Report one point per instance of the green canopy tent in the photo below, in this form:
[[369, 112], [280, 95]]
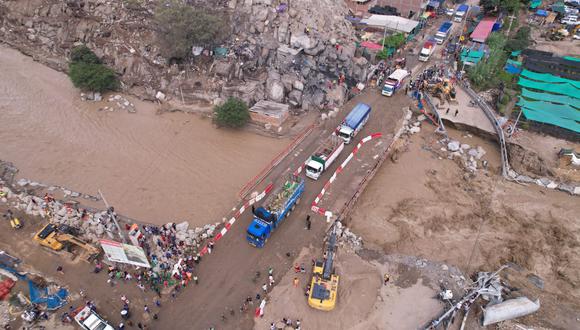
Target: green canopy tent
[[535, 4]]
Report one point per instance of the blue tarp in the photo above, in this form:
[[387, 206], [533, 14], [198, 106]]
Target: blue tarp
[[41, 296], [542, 13]]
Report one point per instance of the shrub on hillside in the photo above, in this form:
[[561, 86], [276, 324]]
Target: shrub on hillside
[[233, 113], [88, 73], [180, 26]]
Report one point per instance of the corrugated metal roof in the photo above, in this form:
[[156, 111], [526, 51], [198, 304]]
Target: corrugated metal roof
[[483, 29], [391, 22]]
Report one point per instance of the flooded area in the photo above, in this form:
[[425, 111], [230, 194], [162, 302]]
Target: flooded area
[[154, 168]]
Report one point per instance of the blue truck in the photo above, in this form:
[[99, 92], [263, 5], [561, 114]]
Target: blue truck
[[354, 122], [443, 32], [460, 13], [275, 209]]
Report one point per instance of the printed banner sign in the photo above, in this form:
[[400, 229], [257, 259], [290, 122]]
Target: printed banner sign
[[125, 253]]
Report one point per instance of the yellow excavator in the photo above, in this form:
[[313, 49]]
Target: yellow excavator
[[324, 284], [444, 91], [63, 236]]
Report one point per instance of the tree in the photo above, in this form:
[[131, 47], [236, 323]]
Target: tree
[[88, 73], [179, 27], [83, 54], [496, 6], [233, 113], [486, 73], [520, 41], [394, 41]]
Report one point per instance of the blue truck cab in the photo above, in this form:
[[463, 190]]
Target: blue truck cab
[[275, 209]]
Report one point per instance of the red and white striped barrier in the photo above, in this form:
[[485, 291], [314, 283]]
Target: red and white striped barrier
[[235, 217], [322, 211]]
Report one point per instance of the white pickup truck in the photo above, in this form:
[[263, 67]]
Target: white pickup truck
[[88, 319]]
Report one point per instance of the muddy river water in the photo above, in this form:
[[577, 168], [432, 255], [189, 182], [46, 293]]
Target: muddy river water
[[155, 168]]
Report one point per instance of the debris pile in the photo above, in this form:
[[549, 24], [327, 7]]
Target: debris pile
[[303, 54], [95, 225], [25, 183], [492, 290], [347, 238]]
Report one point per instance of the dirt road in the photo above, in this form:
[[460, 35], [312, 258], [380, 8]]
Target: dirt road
[[228, 272], [155, 168]]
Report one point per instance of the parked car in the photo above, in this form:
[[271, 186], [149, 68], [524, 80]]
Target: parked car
[[570, 20], [384, 10]]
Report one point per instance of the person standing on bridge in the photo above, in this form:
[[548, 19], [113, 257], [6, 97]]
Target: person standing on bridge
[[308, 223]]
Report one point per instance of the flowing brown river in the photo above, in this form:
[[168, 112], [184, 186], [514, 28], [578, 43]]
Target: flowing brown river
[[155, 168]]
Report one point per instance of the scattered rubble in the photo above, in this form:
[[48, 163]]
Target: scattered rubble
[[303, 48], [347, 238], [95, 225]]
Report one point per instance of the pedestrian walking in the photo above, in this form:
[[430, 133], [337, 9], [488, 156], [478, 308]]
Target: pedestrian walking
[[265, 287], [386, 279], [456, 112], [59, 269], [271, 279], [295, 282], [155, 316], [195, 279], [308, 223], [140, 326], [121, 326], [157, 303], [146, 309], [447, 112]]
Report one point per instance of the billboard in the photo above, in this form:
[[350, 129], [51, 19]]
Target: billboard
[[124, 253]]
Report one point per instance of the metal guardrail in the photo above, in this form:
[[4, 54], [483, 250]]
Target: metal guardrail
[[499, 131]]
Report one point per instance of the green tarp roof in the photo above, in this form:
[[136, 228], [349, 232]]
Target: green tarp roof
[[535, 4], [571, 58], [547, 97], [548, 118], [559, 110], [564, 88], [549, 78], [474, 56]]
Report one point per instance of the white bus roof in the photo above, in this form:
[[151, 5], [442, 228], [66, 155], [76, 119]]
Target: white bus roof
[[399, 74]]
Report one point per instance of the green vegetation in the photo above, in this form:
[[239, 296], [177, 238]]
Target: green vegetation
[[180, 26], [489, 72], [87, 72], [394, 41], [504, 6], [486, 73], [233, 113], [520, 41]]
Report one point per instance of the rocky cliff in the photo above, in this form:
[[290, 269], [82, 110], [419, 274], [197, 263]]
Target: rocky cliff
[[270, 55]]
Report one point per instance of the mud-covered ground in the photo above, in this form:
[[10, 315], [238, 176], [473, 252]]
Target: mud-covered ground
[[425, 222]]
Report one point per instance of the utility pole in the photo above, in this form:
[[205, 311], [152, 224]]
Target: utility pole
[[511, 21], [113, 215]]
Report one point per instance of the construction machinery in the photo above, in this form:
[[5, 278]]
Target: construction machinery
[[62, 236], [444, 91], [324, 284]]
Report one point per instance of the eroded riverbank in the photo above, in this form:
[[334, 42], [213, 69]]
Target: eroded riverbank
[[155, 168]]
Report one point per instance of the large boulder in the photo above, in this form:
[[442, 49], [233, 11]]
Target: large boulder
[[275, 90], [295, 98], [223, 69], [301, 41]]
